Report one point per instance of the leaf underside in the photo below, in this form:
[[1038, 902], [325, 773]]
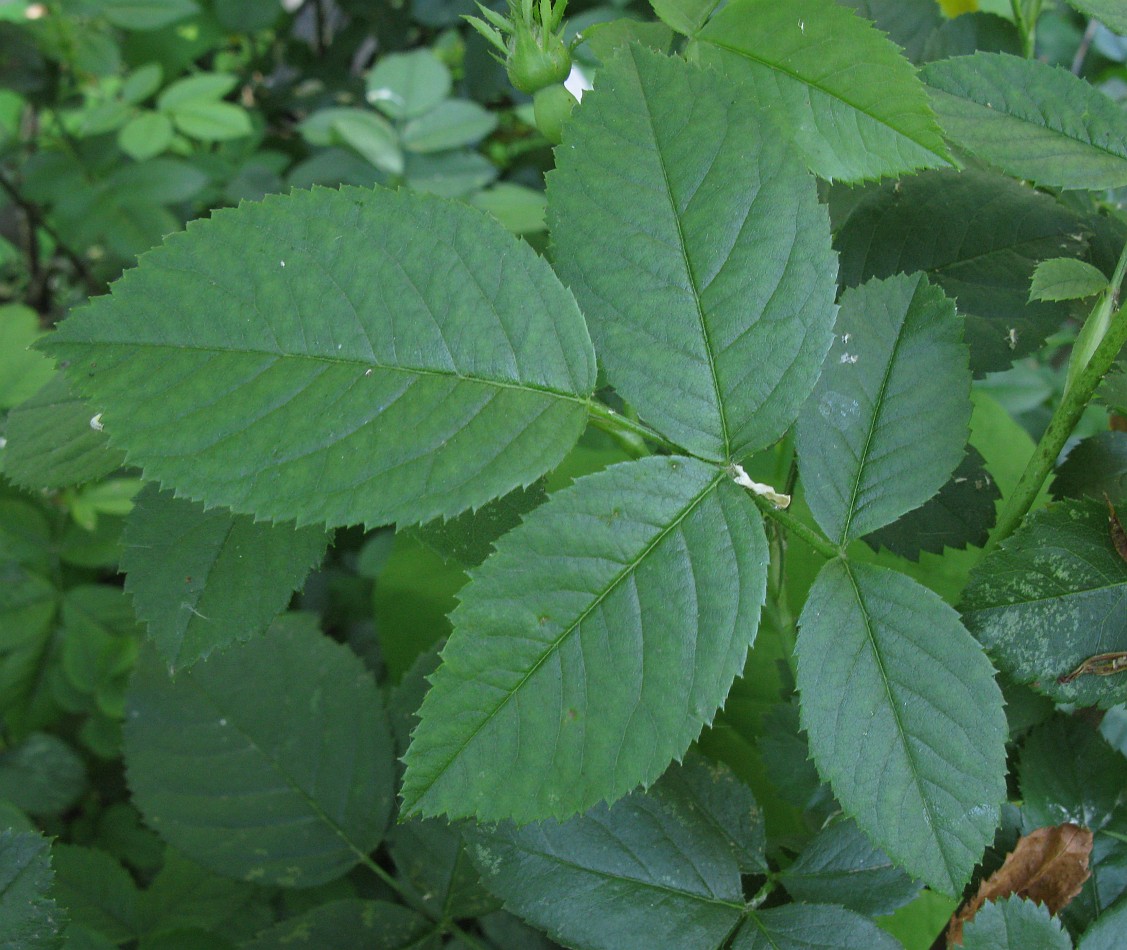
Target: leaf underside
[[338, 357], [703, 262], [1050, 597], [1031, 120], [888, 420], [838, 87], [904, 719], [979, 237], [589, 651]]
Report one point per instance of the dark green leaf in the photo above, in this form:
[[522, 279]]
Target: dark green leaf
[[904, 718], [271, 761], [431, 860], [1113, 390], [469, 538], [145, 14], [348, 925], [841, 866], [961, 514], [1050, 598], [619, 878], [97, 892], [51, 443], [970, 32], [1065, 278], [1107, 932], [206, 579], [1031, 120], [887, 423], [29, 917], [1068, 772], [811, 927], [589, 651], [272, 358], [1014, 924], [841, 89], [908, 23], [1096, 466], [979, 237], [703, 263], [184, 895], [42, 775]]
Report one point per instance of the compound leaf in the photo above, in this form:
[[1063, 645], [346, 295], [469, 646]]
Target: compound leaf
[[888, 420], [203, 579], [270, 762], [703, 263], [842, 90], [1031, 120], [591, 648], [904, 719], [979, 237], [339, 357], [622, 877], [1051, 599], [29, 917]]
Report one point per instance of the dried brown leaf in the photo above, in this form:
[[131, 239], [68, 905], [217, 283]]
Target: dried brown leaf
[[1047, 866], [1118, 535]]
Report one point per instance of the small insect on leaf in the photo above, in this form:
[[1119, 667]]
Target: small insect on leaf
[[1115, 527], [1102, 664]]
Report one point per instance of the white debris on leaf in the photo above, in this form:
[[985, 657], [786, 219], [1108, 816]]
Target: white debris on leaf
[[741, 478], [96, 423]]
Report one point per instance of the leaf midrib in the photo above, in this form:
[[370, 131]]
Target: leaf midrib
[[627, 570], [683, 248], [901, 732], [335, 361]]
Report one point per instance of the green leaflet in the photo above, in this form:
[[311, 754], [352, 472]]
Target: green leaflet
[[1051, 597], [339, 357], [348, 924], [1109, 12], [978, 236], [42, 775], [908, 23], [231, 575], [97, 891], [1096, 468], [811, 927], [589, 651], [623, 877], [1065, 278], [1012, 923], [29, 917], [685, 16], [904, 719], [271, 761], [851, 102], [702, 262], [1107, 932], [51, 443], [1068, 772], [888, 420], [22, 370], [1031, 120], [841, 866]]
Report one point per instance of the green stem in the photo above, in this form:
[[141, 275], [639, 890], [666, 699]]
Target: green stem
[[1064, 420], [815, 539], [1024, 28], [618, 425]]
